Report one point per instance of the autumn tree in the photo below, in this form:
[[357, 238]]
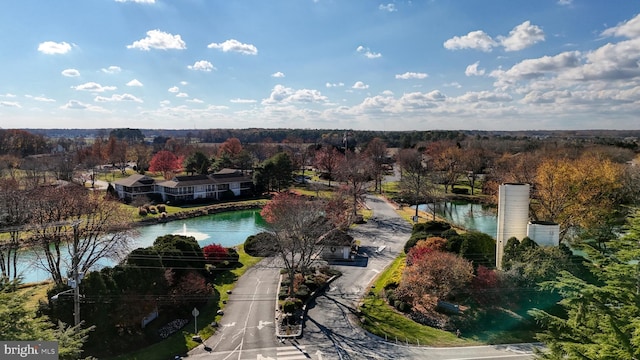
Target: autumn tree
[[297, 224], [165, 162], [141, 155], [215, 253], [376, 150], [433, 276], [231, 147], [116, 153], [327, 160], [9, 166], [448, 164], [512, 168], [581, 193]]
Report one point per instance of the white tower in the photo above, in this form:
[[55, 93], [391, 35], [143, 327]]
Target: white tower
[[513, 216]]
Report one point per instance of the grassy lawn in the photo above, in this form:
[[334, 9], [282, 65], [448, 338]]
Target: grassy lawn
[[181, 342], [35, 292], [386, 322], [171, 210]]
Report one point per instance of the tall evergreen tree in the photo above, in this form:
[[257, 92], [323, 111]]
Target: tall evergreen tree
[[601, 317]]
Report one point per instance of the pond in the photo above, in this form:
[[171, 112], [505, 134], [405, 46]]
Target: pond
[[227, 229], [478, 217]]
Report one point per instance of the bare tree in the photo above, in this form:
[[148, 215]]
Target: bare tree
[[297, 224], [355, 172], [15, 213], [327, 160], [77, 228], [415, 184], [377, 151]]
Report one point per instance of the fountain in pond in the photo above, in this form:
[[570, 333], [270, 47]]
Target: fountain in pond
[[196, 234]]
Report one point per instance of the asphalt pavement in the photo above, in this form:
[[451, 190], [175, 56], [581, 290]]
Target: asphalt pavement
[[331, 328]]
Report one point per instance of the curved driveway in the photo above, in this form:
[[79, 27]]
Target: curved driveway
[[247, 330]]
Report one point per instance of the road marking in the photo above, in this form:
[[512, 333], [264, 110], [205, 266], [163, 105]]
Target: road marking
[[293, 352], [229, 324], [262, 324], [260, 357]]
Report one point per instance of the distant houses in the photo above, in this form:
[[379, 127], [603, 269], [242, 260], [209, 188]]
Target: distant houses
[[224, 184]]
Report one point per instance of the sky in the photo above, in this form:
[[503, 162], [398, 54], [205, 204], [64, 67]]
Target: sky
[[320, 64]]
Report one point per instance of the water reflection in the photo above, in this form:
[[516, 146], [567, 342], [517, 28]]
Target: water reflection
[[227, 229], [478, 217]]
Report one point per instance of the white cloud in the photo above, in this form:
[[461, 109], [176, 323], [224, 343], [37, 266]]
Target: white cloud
[[233, 45], [454, 84], [70, 73], [360, 85], [522, 37], [184, 83], [367, 52], [173, 89], [182, 95], [202, 65], [629, 29], [40, 98], [138, 1], [157, 39], [77, 105], [388, 7], [477, 40], [118, 97], [242, 101], [330, 85], [487, 96], [565, 2], [52, 47], [472, 70], [10, 104], [530, 69], [195, 101], [112, 70], [134, 82], [94, 87], [619, 61], [277, 74], [284, 95], [411, 75], [8, 95]]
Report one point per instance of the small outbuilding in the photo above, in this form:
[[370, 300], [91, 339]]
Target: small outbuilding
[[337, 245]]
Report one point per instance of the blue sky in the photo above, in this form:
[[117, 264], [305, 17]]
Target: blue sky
[[329, 64]]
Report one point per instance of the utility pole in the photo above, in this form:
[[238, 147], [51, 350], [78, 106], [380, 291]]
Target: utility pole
[[75, 262]]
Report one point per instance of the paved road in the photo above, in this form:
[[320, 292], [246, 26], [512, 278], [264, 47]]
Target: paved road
[[330, 331], [248, 322]]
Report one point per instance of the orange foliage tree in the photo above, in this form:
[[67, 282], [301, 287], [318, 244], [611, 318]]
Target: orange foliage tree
[[165, 162], [433, 276]]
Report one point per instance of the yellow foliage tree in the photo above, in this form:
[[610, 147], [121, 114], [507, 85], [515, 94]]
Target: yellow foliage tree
[[577, 193]]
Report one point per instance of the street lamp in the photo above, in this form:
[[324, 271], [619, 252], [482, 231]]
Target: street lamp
[[55, 297]]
